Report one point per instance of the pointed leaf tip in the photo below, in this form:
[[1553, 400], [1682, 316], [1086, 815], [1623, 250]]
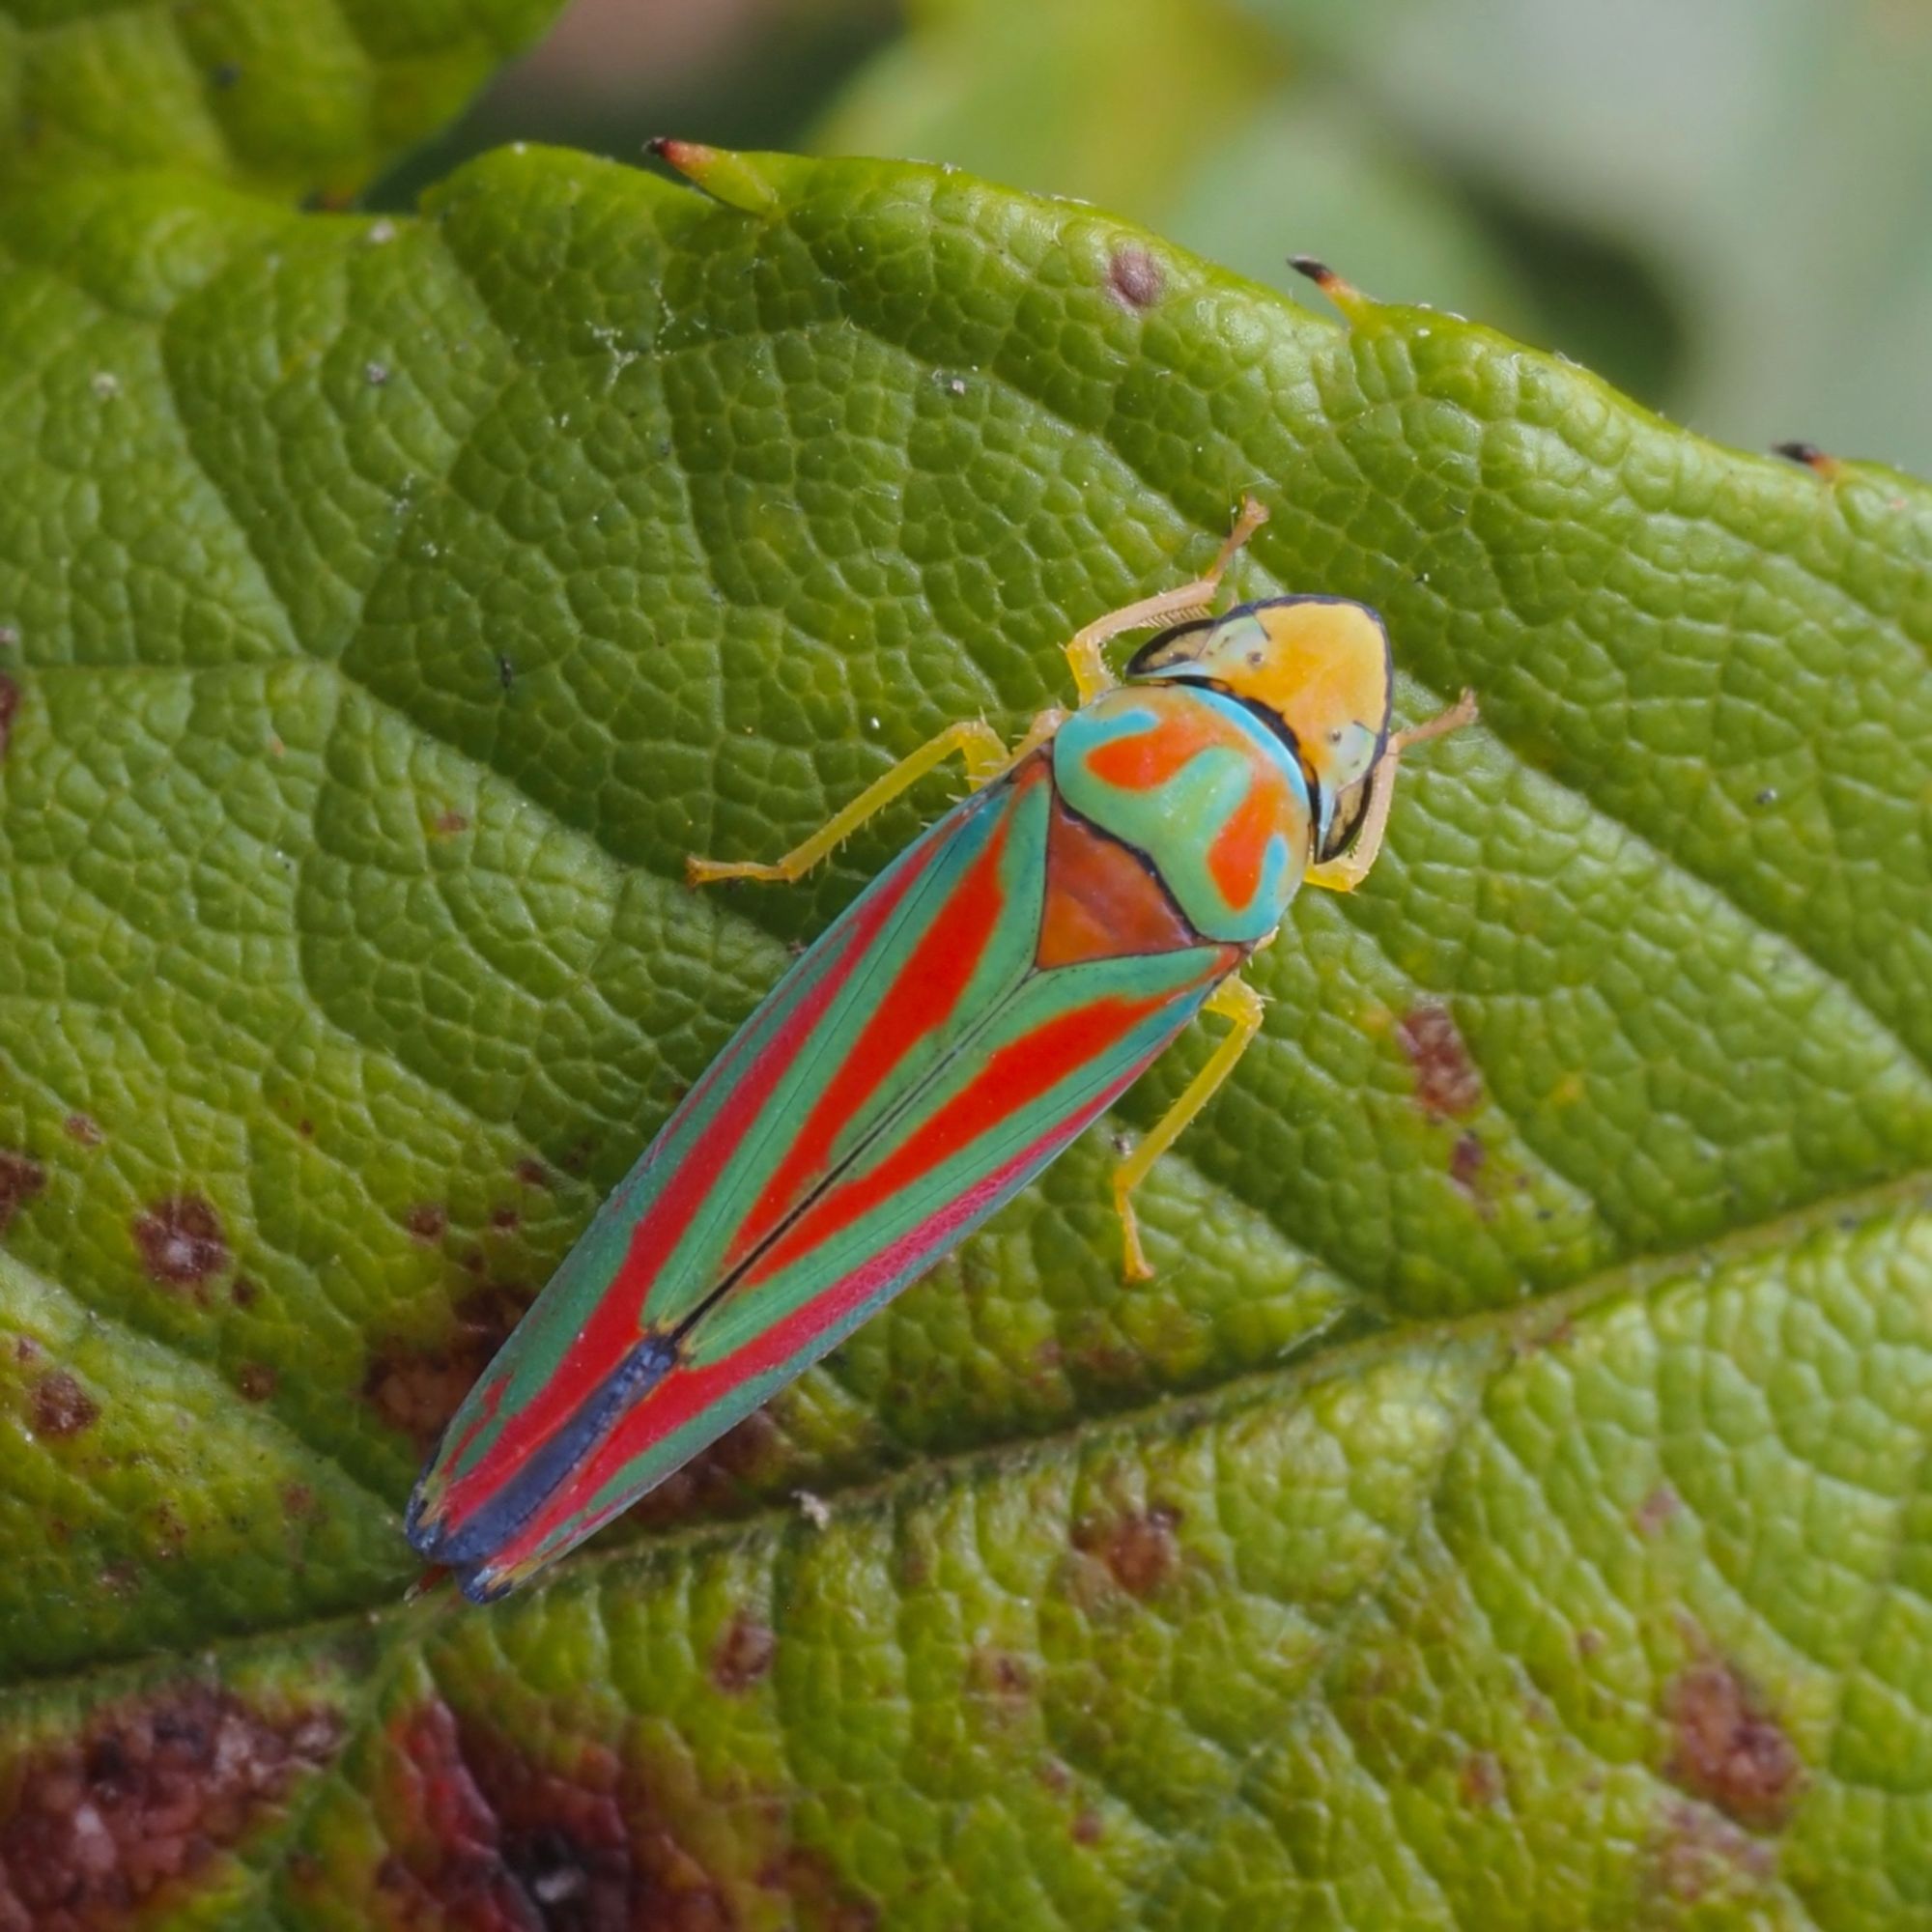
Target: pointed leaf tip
[[724, 176]]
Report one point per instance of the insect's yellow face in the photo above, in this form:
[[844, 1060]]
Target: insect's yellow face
[[1318, 665]]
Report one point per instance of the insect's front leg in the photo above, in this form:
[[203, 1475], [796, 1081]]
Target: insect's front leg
[[979, 746], [1091, 675], [1234, 999], [1343, 875]]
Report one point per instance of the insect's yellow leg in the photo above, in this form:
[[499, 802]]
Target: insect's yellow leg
[[1237, 1001], [1344, 872], [1091, 675], [978, 743]]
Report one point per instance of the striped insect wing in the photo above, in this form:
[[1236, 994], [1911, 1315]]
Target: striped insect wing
[[988, 996]]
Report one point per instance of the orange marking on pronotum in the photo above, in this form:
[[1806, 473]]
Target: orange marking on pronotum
[[1146, 760]]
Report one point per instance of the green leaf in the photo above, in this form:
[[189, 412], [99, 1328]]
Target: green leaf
[[293, 98], [1507, 1505]]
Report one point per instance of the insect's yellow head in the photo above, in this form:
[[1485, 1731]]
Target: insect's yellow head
[[1318, 668]]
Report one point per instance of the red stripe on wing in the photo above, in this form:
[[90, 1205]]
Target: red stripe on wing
[[618, 1317], [924, 996], [690, 1390], [1012, 1078]]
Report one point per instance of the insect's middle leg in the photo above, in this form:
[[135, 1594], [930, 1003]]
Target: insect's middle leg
[[1234, 999], [1091, 675], [981, 747]]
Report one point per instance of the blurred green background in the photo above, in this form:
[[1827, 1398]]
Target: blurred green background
[[1723, 206]]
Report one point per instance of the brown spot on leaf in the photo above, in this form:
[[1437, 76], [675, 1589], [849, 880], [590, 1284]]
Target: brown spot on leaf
[[82, 1128], [181, 1241], [1466, 1160], [725, 1479], [1729, 1749], [743, 1655], [447, 824], [127, 1818], [120, 1580], [10, 709], [298, 1502], [1479, 1784], [1135, 277], [824, 1903], [61, 1407], [532, 1173], [26, 1349], [1446, 1079], [1698, 1855], [505, 1220], [426, 1222], [492, 1839], [1656, 1509], [21, 1177], [256, 1381], [417, 1386], [1087, 1829], [998, 1673], [1138, 1547], [244, 1293]]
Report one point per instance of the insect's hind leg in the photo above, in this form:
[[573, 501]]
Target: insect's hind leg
[[1091, 675], [981, 747], [1234, 999]]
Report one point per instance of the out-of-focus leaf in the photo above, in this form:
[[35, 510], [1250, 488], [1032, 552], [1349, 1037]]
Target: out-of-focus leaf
[[1773, 158], [1117, 104], [295, 97]]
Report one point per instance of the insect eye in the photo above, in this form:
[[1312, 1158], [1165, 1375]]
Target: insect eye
[[1350, 809]]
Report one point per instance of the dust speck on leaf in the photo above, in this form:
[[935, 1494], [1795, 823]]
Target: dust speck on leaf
[[1135, 277], [375, 374], [125, 1817], [1138, 1547], [181, 1241], [743, 1654], [62, 1407], [1446, 1079], [21, 1177], [1729, 1749]]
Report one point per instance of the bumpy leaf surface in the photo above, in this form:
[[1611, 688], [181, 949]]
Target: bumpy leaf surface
[[1508, 1506]]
